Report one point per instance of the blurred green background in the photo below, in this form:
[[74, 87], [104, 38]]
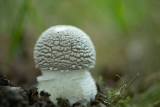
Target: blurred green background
[[126, 35]]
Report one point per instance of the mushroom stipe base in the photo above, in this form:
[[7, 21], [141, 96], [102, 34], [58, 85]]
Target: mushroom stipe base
[[77, 86]]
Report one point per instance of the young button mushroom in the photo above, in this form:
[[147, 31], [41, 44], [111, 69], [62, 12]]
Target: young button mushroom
[[65, 54]]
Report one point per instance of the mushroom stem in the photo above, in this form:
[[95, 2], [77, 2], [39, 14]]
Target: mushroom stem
[[75, 86]]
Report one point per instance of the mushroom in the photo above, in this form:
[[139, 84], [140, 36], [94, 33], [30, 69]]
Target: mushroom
[[64, 54]]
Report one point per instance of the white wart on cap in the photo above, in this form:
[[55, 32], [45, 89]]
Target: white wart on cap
[[64, 48]]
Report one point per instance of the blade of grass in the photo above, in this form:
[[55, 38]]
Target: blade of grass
[[17, 30], [37, 20]]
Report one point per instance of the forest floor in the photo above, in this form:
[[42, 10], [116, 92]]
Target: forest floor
[[14, 96]]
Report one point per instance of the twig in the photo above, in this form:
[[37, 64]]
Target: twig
[[121, 93], [103, 102], [133, 80], [120, 78], [122, 90], [102, 95]]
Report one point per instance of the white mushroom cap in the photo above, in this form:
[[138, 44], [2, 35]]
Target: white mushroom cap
[[64, 48]]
